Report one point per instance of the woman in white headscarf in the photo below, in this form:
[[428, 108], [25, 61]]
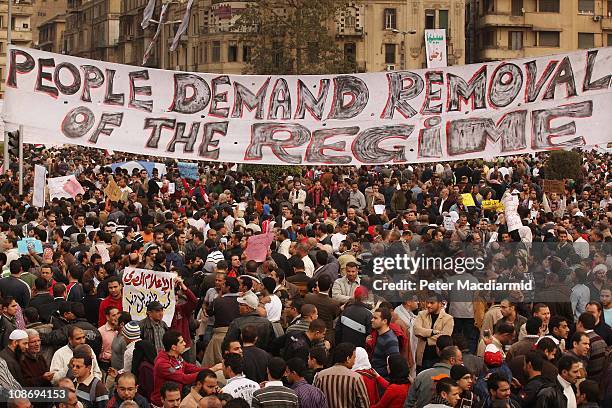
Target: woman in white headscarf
[[368, 374]]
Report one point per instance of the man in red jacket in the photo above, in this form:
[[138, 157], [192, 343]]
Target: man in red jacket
[[185, 305], [170, 366], [114, 299]]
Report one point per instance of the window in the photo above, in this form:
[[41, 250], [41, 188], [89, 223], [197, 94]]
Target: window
[[390, 22], [517, 7], [1, 48], [586, 40], [216, 51], [488, 6], [389, 53], [609, 40], [430, 19], [548, 6], [2, 22], [204, 53], [350, 52], [443, 20], [548, 39], [609, 9], [488, 39], [232, 52], [246, 53], [515, 40], [586, 6]]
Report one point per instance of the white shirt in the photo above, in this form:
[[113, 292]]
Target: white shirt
[[568, 391], [198, 224], [274, 308], [241, 387], [336, 239], [59, 364], [229, 223], [581, 247], [283, 248], [309, 267]]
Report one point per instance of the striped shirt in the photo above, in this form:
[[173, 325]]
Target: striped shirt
[[309, 395], [276, 395], [91, 392], [342, 387], [7, 381]]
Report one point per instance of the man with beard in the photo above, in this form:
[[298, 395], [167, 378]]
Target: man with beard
[[33, 364], [17, 346], [127, 390], [205, 385]]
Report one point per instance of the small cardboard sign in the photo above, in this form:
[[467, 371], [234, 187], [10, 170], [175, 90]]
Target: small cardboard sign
[[554, 186]]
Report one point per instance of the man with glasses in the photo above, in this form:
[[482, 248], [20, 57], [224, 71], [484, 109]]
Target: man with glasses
[[127, 390], [51, 226], [464, 379]]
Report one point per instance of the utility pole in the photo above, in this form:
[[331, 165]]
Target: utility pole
[[21, 160], [9, 39], [404, 34]]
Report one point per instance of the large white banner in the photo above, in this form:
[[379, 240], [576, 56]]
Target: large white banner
[[142, 286], [498, 108], [435, 48]]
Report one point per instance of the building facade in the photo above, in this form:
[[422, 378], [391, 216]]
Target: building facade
[[505, 29], [373, 33], [92, 29], [43, 12], [21, 33], [51, 34]]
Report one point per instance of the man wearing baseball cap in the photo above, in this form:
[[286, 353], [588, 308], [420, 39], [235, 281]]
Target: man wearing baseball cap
[[248, 305], [152, 328], [17, 346]]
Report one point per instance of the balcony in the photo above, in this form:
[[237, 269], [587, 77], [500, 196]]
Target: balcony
[[606, 23], [350, 32], [22, 10], [503, 20], [544, 21], [499, 53]]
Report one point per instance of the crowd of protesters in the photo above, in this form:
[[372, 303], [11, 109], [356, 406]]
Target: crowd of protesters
[[310, 326]]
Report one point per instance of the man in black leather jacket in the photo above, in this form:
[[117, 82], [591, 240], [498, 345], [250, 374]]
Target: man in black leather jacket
[[561, 394]]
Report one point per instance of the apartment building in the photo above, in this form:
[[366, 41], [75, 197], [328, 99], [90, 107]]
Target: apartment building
[[51, 34], [504, 29], [21, 33], [92, 29], [394, 32], [44, 11]]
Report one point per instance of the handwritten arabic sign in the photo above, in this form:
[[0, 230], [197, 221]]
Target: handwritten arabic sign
[[451, 113], [435, 48], [553, 186], [142, 286]]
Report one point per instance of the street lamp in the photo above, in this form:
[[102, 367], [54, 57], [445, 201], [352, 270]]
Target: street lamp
[[404, 34]]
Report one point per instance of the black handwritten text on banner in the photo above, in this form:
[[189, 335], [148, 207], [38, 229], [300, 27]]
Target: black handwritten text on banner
[[501, 108]]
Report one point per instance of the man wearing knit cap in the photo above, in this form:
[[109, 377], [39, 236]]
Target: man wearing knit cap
[[17, 346], [131, 334], [464, 379], [355, 321]]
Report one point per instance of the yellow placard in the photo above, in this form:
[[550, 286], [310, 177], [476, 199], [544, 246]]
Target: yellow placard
[[468, 200], [495, 205]]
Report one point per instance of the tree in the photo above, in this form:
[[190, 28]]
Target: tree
[[563, 164], [293, 37]]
